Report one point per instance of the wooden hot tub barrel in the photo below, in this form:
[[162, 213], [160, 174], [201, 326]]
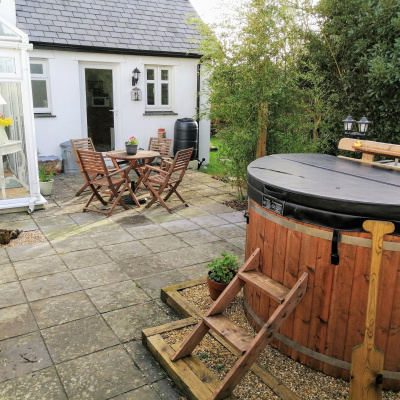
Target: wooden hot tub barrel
[[299, 205]]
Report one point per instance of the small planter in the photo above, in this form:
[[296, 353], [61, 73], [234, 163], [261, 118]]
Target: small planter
[[46, 187], [131, 149], [215, 288]]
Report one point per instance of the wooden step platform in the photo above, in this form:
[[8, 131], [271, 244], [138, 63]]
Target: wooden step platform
[[189, 374]]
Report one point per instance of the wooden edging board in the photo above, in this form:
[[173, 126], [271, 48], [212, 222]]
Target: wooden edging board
[[191, 376]]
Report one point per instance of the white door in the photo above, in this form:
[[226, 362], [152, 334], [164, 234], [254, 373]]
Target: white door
[[99, 101]]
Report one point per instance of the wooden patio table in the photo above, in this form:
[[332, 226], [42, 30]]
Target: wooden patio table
[[147, 156]]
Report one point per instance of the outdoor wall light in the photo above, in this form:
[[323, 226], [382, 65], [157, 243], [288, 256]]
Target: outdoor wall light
[[136, 94], [135, 76], [362, 126]]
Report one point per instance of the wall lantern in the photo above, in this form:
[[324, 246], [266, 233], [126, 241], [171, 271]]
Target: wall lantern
[[135, 76], [362, 126], [136, 94]]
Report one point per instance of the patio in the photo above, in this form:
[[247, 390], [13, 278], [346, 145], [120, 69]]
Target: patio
[[73, 306]]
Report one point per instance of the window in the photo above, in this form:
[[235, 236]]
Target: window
[[40, 86], [158, 88]]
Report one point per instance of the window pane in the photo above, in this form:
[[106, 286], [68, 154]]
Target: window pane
[[164, 74], [39, 94], [150, 74], [7, 65], [37, 69], [164, 94], [150, 94]]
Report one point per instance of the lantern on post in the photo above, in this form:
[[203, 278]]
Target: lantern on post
[[362, 126]]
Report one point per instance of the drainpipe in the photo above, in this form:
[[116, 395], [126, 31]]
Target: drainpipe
[[198, 113]]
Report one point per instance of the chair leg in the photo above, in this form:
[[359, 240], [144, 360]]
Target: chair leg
[[83, 188], [157, 197]]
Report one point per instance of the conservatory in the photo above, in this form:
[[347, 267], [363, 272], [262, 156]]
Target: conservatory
[[19, 182]]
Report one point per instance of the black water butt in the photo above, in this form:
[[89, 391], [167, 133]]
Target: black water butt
[[186, 135]]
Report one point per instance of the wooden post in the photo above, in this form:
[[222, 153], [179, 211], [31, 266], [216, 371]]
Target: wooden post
[[262, 134]]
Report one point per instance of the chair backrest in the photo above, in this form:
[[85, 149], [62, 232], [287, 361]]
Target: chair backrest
[[81, 144], [181, 162], [92, 163], [161, 145]]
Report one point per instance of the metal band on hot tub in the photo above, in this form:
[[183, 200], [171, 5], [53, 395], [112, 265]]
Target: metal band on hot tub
[[319, 233], [311, 353]]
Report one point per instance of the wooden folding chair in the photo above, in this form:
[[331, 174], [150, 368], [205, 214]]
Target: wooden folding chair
[[83, 144], [162, 146], [167, 178], [97, 176]]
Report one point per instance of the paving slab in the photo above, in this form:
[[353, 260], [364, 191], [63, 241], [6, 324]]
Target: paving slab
[[152, 284], [39, 266], [40, 385], [73, 243], [22, 225], [164, 243], [233, 217], [11, 294], [167, 390], [199, 236], [185, 256], [23, 354], [127, 323], [60, 309], [208, 221], [101, 375], [127, 221], [143, 393], [117, 295], [139, 267], [30, 251], [194, 271], [15, 321], [99, 275], [145, 361], [50, 285], [116, 236], [7, 273], [182, 225], [85, 258], [61, 232], [77, 338], [147, 231], [51, 221], [123, 250], [228, 231], [4, 256]]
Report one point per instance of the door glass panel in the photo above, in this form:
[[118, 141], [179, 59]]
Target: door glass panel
[[150, 74], [150, 94], [14, 181], [39, 94], [99, 106], [164, 94]]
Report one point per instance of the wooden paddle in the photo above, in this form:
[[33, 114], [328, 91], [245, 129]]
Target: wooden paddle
[[367, 359]]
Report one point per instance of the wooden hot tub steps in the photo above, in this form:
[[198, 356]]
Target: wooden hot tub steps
[[267, 285], [249, 347]]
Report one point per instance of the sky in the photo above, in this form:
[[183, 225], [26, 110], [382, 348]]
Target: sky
[[209, 10]]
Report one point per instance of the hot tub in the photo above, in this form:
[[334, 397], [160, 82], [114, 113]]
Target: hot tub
[[305, 214]]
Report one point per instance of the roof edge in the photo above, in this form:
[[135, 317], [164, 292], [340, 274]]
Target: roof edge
[[109, 50]]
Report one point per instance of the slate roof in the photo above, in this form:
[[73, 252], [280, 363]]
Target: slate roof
[[124, 26]]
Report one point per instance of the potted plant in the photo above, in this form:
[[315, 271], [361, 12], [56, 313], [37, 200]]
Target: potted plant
[[132, 145], [46, 179], [221, 271]]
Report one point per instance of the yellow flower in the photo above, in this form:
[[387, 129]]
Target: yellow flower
[[6, 121]]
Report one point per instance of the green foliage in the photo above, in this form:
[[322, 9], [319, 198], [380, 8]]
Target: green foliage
[[223, 269], [249, 68], [356, 57], [45, 173]]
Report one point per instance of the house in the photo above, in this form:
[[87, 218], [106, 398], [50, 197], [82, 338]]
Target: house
[[110, 70]]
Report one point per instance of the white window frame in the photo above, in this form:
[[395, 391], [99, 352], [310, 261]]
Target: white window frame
[[42, 77], [157, 88]]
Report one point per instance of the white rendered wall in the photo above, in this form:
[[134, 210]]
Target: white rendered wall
[[66, 74]]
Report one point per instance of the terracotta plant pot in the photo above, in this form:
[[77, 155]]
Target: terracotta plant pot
[[215, 288]]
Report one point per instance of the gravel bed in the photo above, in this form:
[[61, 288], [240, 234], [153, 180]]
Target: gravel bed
[[304, 381], [28, 237]]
